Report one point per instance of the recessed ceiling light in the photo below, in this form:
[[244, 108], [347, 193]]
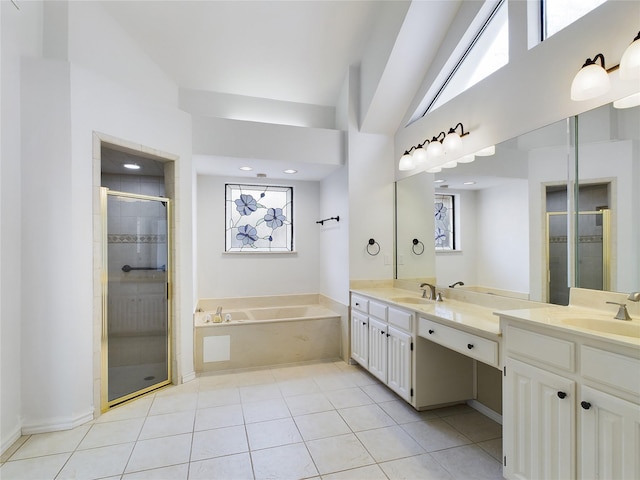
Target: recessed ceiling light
[[246, 169], [290, 170], [439, 181], [131, 166], [469, 183]]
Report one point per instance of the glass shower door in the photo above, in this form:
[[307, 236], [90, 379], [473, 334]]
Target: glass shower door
[[136, 322]]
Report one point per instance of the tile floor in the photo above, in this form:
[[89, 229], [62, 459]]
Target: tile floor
[[320, 421]]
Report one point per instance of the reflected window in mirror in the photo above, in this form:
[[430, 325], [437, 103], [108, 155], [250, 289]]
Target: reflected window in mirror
[[444, 216]]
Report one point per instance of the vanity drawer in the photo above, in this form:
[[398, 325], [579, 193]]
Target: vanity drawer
[[542, 348], [360, 303], [610, 369], [468, 344], [378, 310], [400, 318]]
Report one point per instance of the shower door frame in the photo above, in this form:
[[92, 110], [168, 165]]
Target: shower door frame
[[105, 403]]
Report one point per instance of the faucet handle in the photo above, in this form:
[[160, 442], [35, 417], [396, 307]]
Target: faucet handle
[[622, 314]]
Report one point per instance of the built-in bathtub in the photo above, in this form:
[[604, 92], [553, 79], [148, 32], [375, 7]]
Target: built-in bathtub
[[257, 332]]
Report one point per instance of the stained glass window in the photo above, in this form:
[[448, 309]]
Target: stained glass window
[[259, 218], [444, 222]]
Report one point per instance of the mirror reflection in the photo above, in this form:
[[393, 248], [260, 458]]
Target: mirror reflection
[[511, 231]]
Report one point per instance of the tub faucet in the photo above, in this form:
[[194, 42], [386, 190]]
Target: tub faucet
[[453, 285], [634, 297], [432, 291], [219, 311]]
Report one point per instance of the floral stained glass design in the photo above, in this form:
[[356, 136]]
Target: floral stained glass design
[[259, 218], [444, 225]]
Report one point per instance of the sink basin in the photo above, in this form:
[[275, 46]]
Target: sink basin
[[615, 327], [414, 300]]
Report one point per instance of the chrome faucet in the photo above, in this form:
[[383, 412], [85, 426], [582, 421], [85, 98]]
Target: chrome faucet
[[622, 311], [453, 285], [432, 291], [634, 297]]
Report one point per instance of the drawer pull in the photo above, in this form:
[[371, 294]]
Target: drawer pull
[[469, 346], [585, 405], [562, 395], [431, 332]]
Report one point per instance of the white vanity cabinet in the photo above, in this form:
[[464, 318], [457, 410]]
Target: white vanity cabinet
[[381, 341], [571, 406]]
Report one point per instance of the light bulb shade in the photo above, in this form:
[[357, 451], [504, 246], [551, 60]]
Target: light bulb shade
[[435, 149], [590, 82], [451, 142], [467, 158], [451, 164], [434, 170], [630, 61], [632, 100], [487, 151], [420, 155], [406, 162]]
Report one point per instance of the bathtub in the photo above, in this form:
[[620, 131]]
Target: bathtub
[[260, 335]]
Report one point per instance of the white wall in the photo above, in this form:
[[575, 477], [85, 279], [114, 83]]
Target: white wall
[[19, 35], [223, 274]]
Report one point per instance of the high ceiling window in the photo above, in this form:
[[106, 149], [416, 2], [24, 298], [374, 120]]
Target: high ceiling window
[[557, 14], [486, 52]]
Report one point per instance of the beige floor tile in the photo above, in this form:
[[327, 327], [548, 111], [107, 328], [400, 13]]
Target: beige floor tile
[[97, 462], [348, 397], [168, 424], [273, 433], [366, 417], [229, 467], [453, 410], [435, 434], [493, 448], [112, 433], [46, 467], [321, 425], [389, 443], [174, 472], [402, 412], [309, 403], [6, 455], [265, 410], [174, 403], [219, 380], [370, 472], [298, 386], [159, 452], [257, 377], [51, 443], [216, 417], [339, 453], [259, 393], [219, 442], [135, 409], [475, 426], [218, 397], [469, 461], [379, 393], [334, 381], [423, 467], [283, 463]]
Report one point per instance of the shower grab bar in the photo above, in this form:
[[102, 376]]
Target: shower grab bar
[[128, 268]]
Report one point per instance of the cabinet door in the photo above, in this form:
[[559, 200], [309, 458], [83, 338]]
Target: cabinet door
[[399, 362], [360, 338], [378, 349], [539, 411], [609, 436]]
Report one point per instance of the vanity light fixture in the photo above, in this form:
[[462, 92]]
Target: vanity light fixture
[[467, 158], [439, 145], [406, 162], [487, 151], [630, 61], [435, 148], [434, 170], [131, 166], [420, 154], [450, 164], [453, 141], [592, 80], [632, 100], [290, 171]]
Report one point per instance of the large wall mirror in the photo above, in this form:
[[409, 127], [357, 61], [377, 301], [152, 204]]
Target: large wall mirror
[[513, 235]]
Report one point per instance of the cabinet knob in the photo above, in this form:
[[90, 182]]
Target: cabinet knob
[[431, 332], [469, 346], [357, 304], [382, 332], [585, 405], [561, 395], [388, 334], [364, 323]]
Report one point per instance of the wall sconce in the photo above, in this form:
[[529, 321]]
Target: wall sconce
[[453, 141], [439, 145], [593, 80], [406, 162], [435, 148]]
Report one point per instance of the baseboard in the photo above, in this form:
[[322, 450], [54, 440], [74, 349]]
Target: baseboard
[[483, 409], [57, 425], [188, 377], [10, 439]]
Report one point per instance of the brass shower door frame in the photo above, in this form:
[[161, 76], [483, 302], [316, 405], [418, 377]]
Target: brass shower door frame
[[105, 404]]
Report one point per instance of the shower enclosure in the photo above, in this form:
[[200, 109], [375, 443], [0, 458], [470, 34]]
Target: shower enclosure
[[136, 326]]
